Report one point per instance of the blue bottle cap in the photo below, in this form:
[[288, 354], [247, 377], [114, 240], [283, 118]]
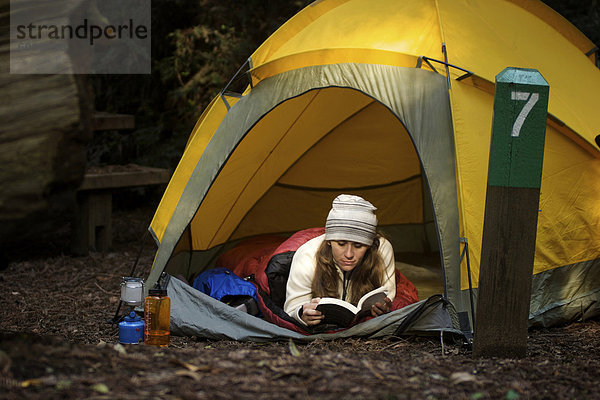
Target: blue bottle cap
[[132, 317]]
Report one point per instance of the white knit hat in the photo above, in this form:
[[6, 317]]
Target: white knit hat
[[351, 218]]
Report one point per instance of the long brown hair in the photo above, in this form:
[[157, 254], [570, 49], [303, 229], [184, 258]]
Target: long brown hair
[[366, 276]]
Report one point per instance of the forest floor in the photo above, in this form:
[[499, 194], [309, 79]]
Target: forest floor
[[55, 342]]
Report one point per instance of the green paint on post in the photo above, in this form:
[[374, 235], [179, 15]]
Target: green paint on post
[[518, 129]]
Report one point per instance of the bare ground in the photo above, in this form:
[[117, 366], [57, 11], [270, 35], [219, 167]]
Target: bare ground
[[55, 342]]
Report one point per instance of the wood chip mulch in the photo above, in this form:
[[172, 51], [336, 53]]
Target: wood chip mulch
[[55, 342]]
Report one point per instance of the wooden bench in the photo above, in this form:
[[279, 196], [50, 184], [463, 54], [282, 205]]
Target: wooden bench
[[93, 228]]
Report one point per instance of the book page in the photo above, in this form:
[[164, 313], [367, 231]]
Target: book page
[[374, 296], [330, 300], [343, 313], [336, 314]]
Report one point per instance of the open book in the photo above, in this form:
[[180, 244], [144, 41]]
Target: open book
[[341, 313]]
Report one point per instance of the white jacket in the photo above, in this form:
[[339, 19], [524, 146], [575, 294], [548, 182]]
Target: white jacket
[[302, 273]]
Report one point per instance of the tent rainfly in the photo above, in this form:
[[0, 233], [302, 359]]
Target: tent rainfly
[[391, 100]]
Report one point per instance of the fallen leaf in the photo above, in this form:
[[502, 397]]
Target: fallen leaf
[[46, 380], [30, 382], [190, 367], [437, 377], [512, 395], [263, 363], [189, 374], [100, 388], [293, 349], [120, 348], [461, 377]]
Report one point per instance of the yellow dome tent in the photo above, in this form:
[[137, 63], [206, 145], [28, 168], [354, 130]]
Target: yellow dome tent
[[392, 100]]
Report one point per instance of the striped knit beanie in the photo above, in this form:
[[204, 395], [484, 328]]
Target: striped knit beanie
[[351, 218]]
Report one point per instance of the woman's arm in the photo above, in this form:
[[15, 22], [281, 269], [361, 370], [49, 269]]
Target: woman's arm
[[389, 281], [299, 284]]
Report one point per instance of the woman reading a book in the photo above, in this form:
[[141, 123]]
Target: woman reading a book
[[347, 262]]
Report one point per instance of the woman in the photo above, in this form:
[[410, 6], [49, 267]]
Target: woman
[[348, 261]]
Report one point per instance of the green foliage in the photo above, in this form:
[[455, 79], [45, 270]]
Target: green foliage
[[199, 67], [205, 56]]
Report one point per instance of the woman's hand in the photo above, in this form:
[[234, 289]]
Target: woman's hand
[[310, 315], [382, 307]]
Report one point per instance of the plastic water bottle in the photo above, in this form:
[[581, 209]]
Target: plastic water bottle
[[157, 318], [131, 329]]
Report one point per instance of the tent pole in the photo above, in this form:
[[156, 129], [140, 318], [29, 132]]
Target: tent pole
[[595, 51], [466, 252], [446, 65]]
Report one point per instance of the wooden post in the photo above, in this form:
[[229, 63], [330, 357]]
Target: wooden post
[[511, 211], [93, 230]]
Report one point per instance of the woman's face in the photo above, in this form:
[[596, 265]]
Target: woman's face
[[347, 255]]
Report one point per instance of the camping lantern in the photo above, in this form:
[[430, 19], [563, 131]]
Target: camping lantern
[[132, 291]]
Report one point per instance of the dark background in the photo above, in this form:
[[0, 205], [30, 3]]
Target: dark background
[[196, 48]]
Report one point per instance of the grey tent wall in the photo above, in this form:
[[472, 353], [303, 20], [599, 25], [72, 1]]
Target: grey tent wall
[[195, 314], [418, 98], [561, 295]]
